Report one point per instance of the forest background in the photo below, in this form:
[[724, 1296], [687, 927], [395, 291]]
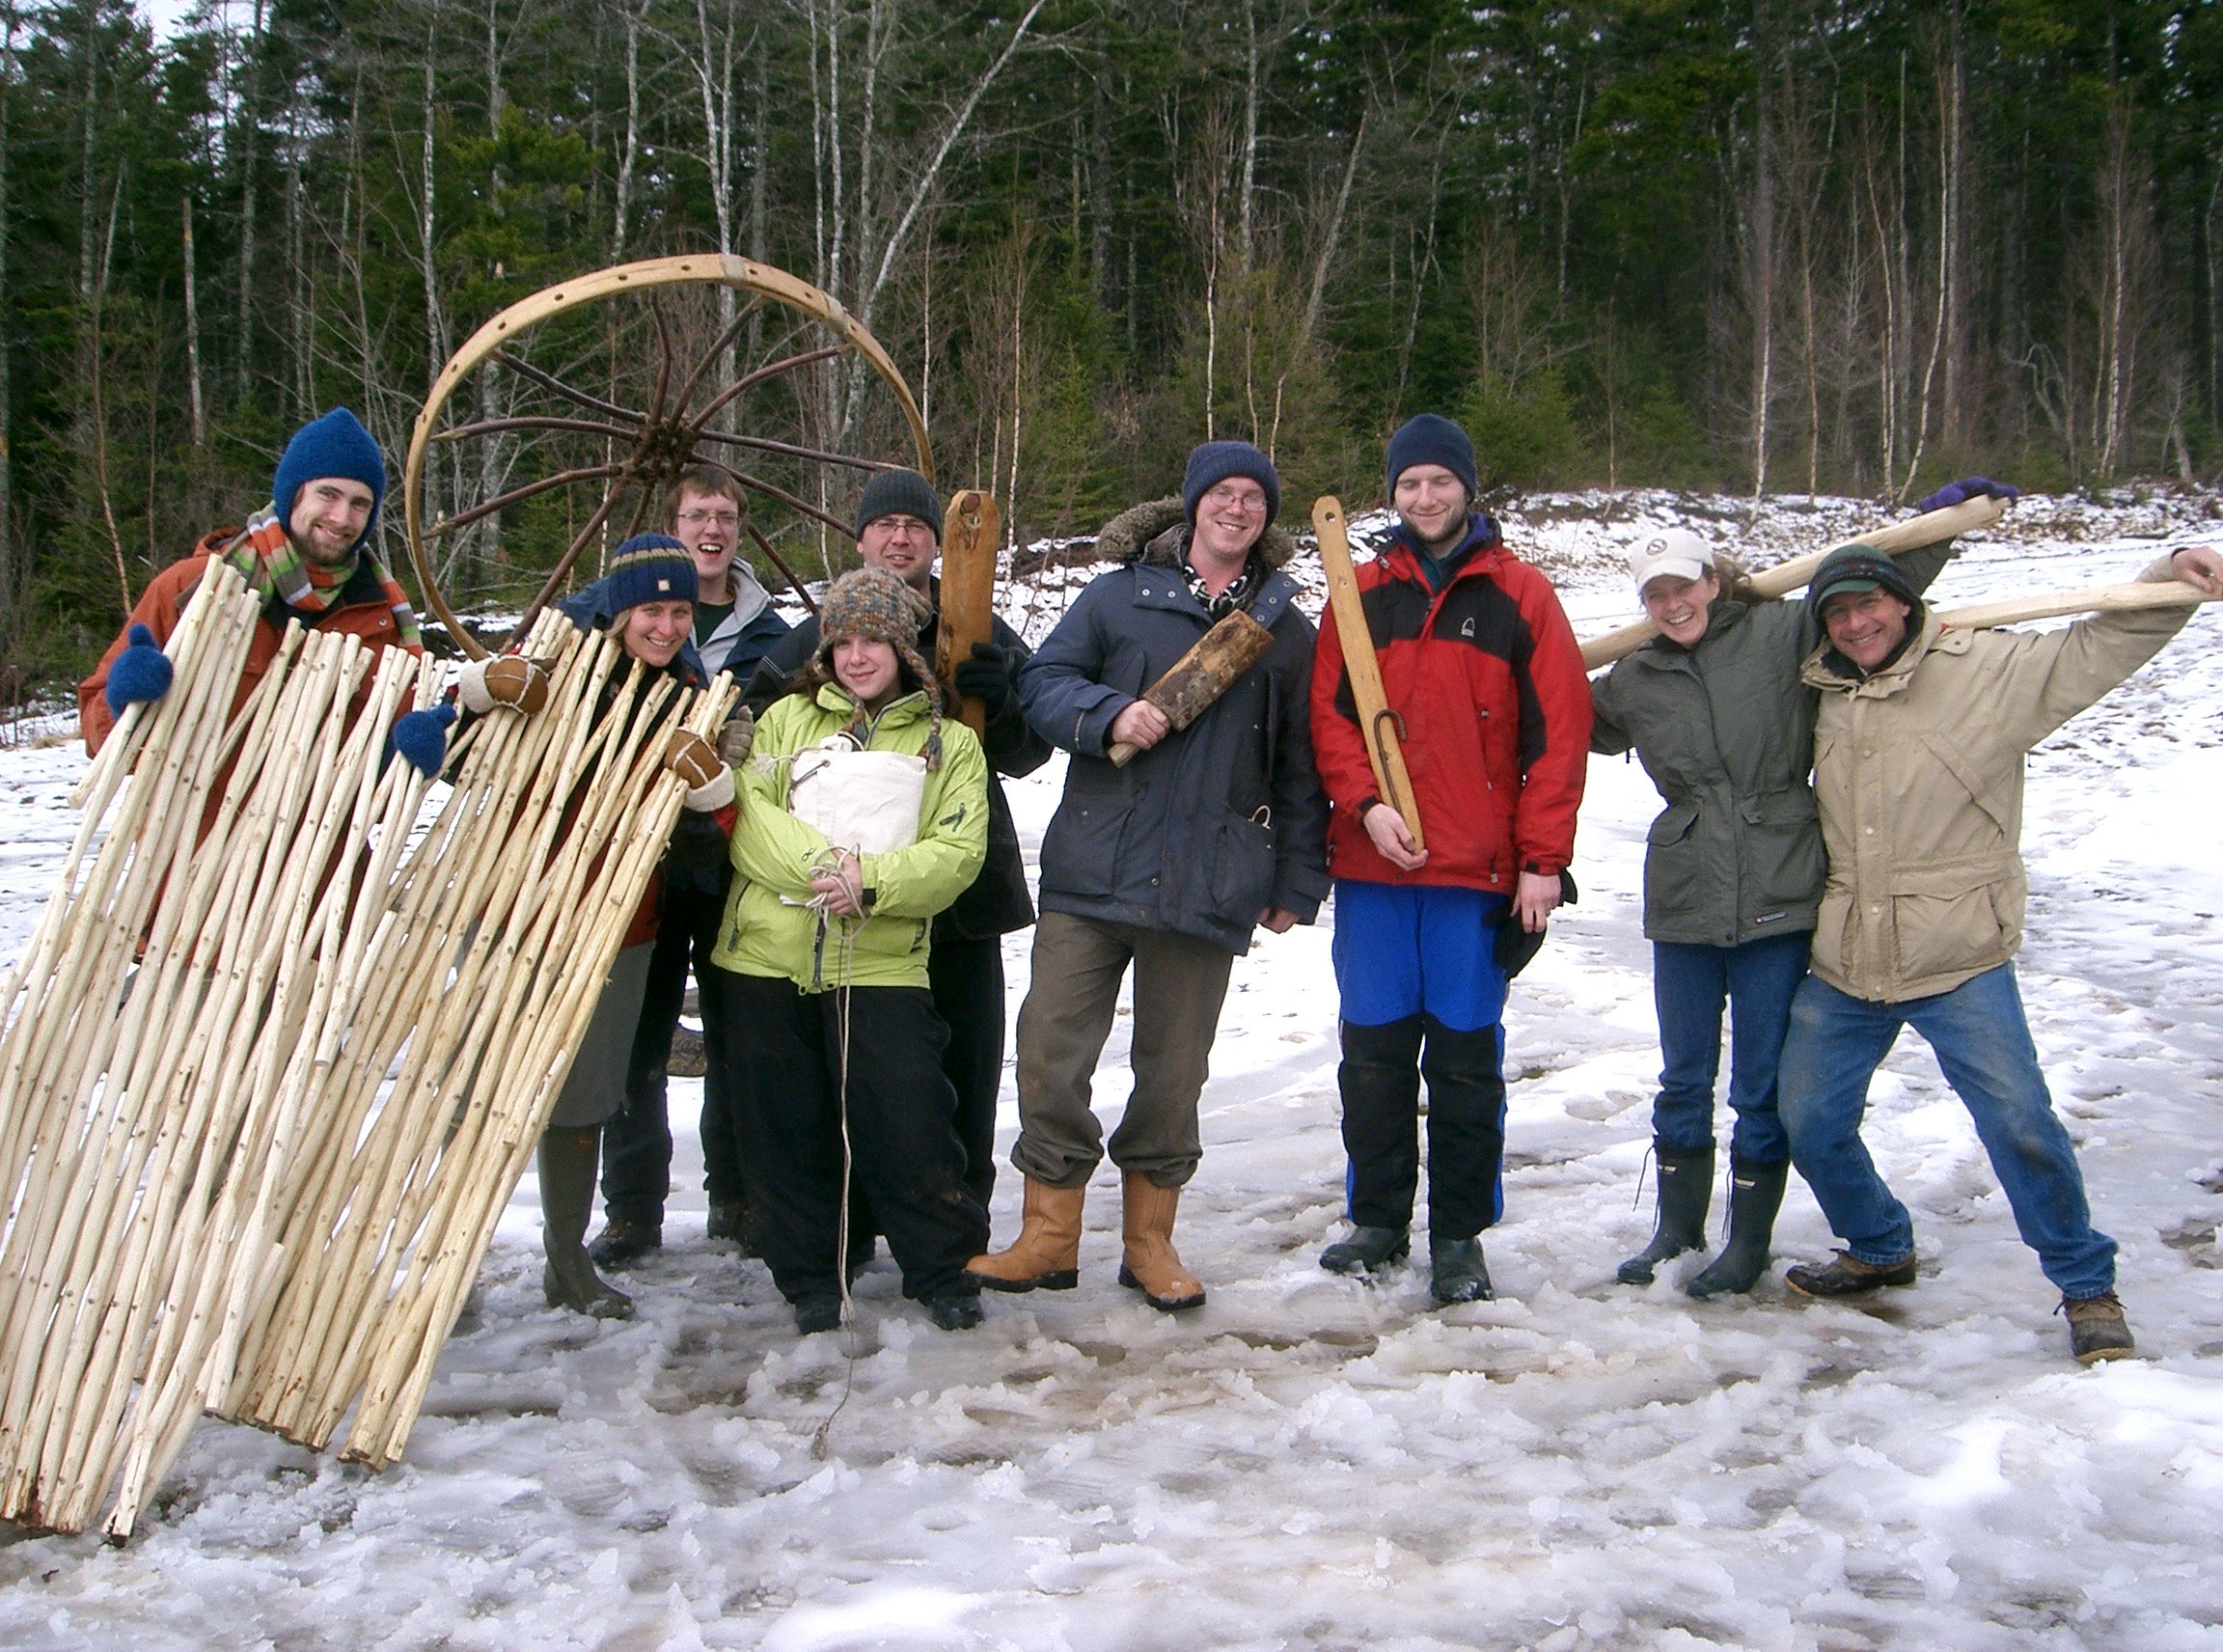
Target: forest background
[[1754, 245]]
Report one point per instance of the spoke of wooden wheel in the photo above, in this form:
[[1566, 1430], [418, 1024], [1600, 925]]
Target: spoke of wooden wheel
[[781, 562], [770, 490], [765, 444], [562, 569], [640, 507], [662, 355], [717, 349], [536, 422], [549, 381], [517, 495], [750, 380]]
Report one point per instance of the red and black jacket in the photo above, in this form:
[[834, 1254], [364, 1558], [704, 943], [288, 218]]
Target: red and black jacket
[[1488, 679]]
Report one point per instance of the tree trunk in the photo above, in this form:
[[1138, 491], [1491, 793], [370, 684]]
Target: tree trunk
[[1249, 185], [1763, 252], [249, 127], [10, 577], [1325, 263], [630, 156]]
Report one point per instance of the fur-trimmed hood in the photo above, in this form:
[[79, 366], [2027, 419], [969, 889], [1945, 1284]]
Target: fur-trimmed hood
[[1158, 531]]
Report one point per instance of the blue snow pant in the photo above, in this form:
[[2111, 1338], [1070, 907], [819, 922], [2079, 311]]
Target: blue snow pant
[[1422, 997]]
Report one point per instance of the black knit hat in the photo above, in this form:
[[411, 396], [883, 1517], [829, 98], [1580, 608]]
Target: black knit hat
[[1211, 463], [1429, 438], [900, 493], [650, 568], [1859, 568]]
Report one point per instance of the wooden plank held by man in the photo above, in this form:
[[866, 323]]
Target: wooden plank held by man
[[971, 530], [1201, 676], [1362, 670]]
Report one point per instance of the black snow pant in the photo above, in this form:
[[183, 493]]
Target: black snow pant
[[1380, 1080], [637, 1141], [786, 1046], [966, 978]]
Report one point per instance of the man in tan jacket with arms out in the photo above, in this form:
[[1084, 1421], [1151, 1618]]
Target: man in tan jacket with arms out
[[1918, 771]]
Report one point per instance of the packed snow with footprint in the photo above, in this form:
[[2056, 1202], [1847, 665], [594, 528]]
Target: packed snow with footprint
[[1310, 1462]]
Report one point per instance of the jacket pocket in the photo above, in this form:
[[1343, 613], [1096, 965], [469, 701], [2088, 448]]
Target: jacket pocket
[[1784, 857], [1675, 864], [1080, 849], [1949, 918], [1241, 871]]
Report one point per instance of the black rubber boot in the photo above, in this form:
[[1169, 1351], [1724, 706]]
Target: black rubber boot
[[1367, 1251], [1686, 1188], [1456, 1271], [567, 1162], [1755, 1195]]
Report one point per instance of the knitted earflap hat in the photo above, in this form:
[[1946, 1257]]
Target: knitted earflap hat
[[650, 568], [335, 445], [872, 603], [900, 493]]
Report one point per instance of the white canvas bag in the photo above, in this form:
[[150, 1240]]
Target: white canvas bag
[[865, 802]]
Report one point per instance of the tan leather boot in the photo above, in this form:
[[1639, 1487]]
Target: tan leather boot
[[1148, 1261], [1047, 1254]]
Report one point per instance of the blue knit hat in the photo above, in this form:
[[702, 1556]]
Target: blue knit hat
[[1429, 438], [335, 445], [648, 567], [1212, 463]]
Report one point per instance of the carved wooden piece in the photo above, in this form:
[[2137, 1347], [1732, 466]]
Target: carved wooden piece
[[972, 529], [1377, 723], [1201, 676]]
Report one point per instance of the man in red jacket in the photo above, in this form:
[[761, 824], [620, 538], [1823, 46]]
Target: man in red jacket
[[307, 556], [1479, 664]]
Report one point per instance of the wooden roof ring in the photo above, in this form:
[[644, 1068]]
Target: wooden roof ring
[[664, 440]]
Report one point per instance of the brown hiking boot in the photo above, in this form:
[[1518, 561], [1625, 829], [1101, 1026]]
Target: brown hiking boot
[[2097, 1329], [1847, 1276], [1047, 1254], [1148, 1262]]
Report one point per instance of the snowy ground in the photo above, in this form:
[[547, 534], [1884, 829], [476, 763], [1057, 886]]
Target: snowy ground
[[1307, 1462]]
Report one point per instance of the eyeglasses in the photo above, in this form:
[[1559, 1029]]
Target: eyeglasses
[[1248, 501], [712, 518], [895, 527]]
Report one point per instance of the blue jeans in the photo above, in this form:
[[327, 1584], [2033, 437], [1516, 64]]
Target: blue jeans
[[1982, 1044], [1690, 986]]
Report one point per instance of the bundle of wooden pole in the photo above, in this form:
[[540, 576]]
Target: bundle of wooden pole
[[264, 1089]]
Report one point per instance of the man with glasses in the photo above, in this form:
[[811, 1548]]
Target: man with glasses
[[900, 529], [733, 626], [1167, 865], [1484, 675]]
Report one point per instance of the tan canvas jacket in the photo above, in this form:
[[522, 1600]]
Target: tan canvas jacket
[[1918, 775]]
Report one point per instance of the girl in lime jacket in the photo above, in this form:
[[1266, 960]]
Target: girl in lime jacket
[[820, 973]]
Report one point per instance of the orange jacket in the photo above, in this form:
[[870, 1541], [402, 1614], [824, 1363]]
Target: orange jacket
[[362, 611]]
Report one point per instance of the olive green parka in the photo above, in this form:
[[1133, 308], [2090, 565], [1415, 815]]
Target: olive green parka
[[1726, 731]]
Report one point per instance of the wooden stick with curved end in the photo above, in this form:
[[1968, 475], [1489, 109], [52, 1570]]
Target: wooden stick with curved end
[[970, 531], [688, 270], [1378, 724]]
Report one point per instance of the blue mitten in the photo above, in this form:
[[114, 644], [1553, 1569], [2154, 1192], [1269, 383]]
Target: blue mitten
[[1971, 487], [421, 737], [141, 671]]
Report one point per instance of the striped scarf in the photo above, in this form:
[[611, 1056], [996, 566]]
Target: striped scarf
[[266, 558]]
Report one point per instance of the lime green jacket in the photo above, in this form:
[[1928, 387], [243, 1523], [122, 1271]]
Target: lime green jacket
[[773, 853]]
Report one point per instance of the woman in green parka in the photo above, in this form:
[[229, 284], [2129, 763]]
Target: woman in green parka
[[1733, 872], [820, 977]]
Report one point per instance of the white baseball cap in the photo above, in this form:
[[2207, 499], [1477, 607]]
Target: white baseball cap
[[1675, 551]]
